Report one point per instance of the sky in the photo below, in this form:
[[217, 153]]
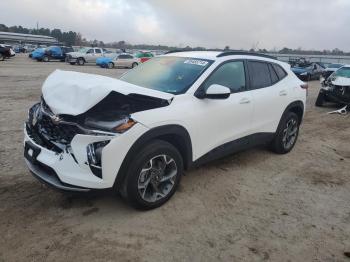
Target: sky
[[308, 24]]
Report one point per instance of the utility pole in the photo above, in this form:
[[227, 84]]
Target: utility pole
[[37, 26]]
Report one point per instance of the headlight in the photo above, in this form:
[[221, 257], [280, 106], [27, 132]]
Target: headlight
[[116, 126]]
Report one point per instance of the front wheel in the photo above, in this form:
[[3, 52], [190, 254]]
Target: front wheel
[[80, 61], [287, 134], [153, 176], [46, 59], [134, 65]]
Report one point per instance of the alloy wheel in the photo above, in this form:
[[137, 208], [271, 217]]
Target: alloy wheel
[[290, 133], [157, 178]]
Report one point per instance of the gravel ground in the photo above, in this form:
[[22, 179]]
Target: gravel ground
[[252, 206]]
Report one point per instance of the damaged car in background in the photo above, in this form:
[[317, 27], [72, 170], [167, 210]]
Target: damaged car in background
[[336, 88], [137, 135]]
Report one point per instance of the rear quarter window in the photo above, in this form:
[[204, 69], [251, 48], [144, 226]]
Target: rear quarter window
[[259, 74], [279, 71]]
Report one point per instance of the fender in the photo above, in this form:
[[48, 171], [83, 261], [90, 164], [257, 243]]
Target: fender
[[175, 134], [296, 107]]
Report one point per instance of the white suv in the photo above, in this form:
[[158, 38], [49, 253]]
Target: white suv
[[138, 134]]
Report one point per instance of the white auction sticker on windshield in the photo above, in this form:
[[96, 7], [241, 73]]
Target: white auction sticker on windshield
[[196, 62]]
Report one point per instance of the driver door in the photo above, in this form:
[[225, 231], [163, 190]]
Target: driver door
[[220, 121]]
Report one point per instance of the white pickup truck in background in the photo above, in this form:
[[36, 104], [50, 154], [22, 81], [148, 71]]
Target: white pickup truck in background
[[87, 55]]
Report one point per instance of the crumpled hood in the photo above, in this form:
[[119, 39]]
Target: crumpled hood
[[73, 93], [341, 81]]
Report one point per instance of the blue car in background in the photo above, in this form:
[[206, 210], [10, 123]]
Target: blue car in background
[[308, 72], [51, 53], [104, 61], [123, 60], [37, 53]]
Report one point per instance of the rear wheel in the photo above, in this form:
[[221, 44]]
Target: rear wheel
[[320, 99], [153, 176], [287, 134], [110, 65], [134, 65]]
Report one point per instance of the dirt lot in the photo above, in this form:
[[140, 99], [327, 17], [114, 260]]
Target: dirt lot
[[252, 206]]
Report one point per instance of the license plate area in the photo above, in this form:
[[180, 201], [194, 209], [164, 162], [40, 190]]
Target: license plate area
[[31, 152]]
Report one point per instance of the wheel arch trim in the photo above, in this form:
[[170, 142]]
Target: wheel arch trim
[[163, 133]]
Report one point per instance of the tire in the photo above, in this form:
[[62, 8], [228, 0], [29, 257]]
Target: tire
[[110, 65], [2, 57], [282, 144], [80, 61], [45, 59], [134, 65], [72, 63], [320, 99], [148, 195]]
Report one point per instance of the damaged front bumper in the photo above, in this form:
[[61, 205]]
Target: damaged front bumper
[[73, 166], [336, 94]]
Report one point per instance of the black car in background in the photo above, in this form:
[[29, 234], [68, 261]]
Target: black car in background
[[5, 52]]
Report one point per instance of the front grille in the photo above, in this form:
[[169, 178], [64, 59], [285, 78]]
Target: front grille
[[51, 134], [60, 132]]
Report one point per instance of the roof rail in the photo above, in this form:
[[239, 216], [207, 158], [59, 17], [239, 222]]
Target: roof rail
[[227, 53], [176, 51]]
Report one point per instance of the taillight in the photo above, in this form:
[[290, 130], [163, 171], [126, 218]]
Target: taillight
[[304, 86]]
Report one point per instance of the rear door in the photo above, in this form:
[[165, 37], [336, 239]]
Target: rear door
[[270, 93]]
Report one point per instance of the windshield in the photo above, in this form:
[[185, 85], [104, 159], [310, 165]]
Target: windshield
[[167, 74], [335, 66], [343, 72], [83, 50]]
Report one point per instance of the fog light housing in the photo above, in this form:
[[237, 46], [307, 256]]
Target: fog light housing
[[94, 157]]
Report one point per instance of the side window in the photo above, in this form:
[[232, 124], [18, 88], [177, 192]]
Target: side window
[[129, 57], [273, 74], [280, 71], [231, 75], [98, 51], [259, 74], [122, 56], [90, 51]]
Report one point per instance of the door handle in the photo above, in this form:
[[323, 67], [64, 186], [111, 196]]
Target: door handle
[[283, 93], [244, 101]]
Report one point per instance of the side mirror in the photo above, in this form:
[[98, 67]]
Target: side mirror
[[217, 92]]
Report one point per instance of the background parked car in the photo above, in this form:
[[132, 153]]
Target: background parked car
[[6, 51], [307, 72], [336, 88], [39, 52], [119, 60], [53, 53], [144, 56], [87, 55], [330, 69]]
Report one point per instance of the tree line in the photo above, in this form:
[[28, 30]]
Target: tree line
[[71, 38]]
